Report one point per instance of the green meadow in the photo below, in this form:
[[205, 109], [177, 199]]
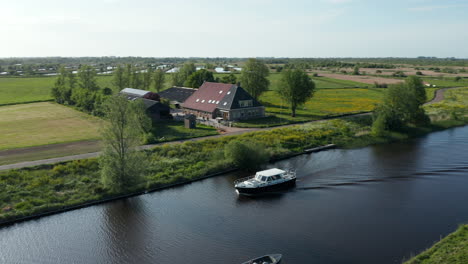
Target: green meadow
[[26, 90]]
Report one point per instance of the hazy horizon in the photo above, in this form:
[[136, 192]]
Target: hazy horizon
[[245, 28]]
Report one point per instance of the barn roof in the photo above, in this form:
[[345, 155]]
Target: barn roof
[[154, 105], [233, 96], [207, 97], [178, 94], [135, 92]]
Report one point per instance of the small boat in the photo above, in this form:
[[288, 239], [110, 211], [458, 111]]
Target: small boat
[[267, 259], [266, 181]]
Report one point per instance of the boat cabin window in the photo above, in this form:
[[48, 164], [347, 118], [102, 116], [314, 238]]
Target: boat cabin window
[[264, 178], [276, 177]]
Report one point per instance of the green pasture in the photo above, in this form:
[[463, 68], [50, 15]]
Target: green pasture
[[446, 82], [325, 103], [26, 90], [34, 124]]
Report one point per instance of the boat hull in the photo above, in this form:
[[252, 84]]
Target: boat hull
[[265, 189]]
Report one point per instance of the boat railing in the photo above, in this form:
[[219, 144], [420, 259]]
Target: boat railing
[[291, 172], [243, 179]]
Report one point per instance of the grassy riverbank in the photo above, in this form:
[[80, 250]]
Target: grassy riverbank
[[452, 249], [45, 188]]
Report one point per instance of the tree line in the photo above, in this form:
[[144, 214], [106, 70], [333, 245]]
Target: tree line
[[80, 90]]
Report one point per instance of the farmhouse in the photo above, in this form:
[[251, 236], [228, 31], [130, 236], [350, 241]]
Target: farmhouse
[[154, 108], [177, 95], [226, 101]]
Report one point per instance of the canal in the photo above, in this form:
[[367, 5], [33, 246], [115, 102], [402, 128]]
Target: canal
[[377, 204]]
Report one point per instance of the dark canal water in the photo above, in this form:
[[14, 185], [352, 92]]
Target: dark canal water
[[377, 204]]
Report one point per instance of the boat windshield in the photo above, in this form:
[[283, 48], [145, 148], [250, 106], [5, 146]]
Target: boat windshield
[[267, 178]]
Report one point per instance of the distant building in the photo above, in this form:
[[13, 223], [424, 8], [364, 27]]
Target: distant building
[[173, 70], [219, 100], [177, 95], [154, 108]]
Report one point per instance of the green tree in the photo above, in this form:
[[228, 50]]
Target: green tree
[[119, 80], [356, 70], [147, 78], [197, 78], [254, 77], [122, 165], [128, 76], [416, 86], [231, 78], [136, 79], [159, 78], [248, 155], [60, 91], [87, 78], [402, 104], [177, 79], [296, 88], [186, 70]]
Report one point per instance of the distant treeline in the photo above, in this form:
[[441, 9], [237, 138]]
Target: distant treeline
[[390, 62]]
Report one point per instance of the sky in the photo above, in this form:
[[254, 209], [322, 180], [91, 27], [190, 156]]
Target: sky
[[240, 28]]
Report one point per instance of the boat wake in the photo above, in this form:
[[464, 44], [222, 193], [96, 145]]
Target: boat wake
[[362, 179]]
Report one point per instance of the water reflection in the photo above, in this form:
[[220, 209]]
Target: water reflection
[[125, 227]]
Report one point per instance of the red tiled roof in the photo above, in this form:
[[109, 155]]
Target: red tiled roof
[[207, 96]]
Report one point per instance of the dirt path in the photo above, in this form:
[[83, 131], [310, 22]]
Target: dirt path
[[439, 96]]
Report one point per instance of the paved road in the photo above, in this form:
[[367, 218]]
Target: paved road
[[229, 132]]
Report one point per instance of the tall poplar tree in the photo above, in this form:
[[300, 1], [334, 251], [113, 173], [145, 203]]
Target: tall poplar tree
[[159, 78], [254, 77], [122, 165]]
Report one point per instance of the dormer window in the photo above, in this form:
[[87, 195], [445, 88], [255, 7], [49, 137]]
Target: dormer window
[[198, 100], [203, 101], [220, 92], [225, 103], [209, 101], [229, 92]]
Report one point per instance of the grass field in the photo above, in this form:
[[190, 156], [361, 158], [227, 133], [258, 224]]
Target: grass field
[[44, 123], [320, 82], [325, 103], [453, 249], [25, 90], [20, 90], [439, 82]]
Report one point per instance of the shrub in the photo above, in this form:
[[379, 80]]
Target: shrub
[[247, 155]]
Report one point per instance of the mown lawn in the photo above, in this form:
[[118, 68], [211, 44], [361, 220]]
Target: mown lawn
[[453, 249], [34, 124]]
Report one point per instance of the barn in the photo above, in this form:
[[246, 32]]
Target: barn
[[154, 108], [177, 95], [228, 102]]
